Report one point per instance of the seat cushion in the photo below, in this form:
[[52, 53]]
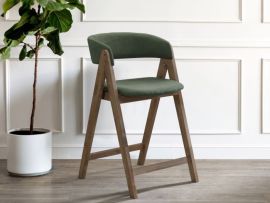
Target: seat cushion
[[149, 86]]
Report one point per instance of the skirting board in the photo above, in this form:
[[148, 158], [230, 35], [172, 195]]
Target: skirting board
[[63, 152]]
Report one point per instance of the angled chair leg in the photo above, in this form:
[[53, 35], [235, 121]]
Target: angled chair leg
[[179, 105], [118, 119], [162, 70], [97, 95], [180, 109], [148, 130], [119, 124]]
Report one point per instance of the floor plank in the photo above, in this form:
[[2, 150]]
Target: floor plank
[[221, 181]]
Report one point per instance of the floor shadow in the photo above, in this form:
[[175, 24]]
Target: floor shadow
[[124, 196]]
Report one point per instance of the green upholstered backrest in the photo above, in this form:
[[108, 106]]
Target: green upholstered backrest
[[128, 45]]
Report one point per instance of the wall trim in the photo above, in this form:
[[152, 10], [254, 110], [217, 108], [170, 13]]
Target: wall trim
[[239, 20], [201, 152], [191, 43], [232, 132], [263, 20], [263, 131], [7, 92], [186, 43]]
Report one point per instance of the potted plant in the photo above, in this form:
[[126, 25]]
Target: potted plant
[[42, 21]]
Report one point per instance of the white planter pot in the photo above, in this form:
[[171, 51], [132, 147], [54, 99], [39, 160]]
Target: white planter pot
[[29, 155]]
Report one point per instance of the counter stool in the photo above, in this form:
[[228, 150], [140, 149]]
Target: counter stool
[[104, 48]]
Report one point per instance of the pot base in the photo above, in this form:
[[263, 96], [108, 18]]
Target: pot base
[[29, 174]]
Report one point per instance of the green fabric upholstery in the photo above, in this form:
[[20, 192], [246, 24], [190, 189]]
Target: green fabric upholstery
[[128, 45], [149, 86]]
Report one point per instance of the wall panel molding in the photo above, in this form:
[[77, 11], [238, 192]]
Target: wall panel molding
[[2, 95], [198, 19], [204, 152], [265, 14], [206, 132], [61, 91], [185, 43], [265, 96]]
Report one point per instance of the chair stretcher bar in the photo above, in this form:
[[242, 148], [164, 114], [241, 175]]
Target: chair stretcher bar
[[114, 151], [159, 166]]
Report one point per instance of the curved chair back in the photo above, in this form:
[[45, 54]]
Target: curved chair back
[[129, 45]]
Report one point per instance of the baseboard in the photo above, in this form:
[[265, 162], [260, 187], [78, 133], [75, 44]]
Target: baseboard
[[74, 152]]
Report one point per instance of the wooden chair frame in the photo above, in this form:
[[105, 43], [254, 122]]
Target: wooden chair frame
[[106, 73]]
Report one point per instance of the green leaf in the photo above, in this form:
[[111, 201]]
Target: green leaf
[[62, 20], [43, 3], [56, 6], [14, 34], [47, 30], [8, 4], [40, 42], [54, 42], [28, 2], [28, 22], [61, 1], [34, 20], [26, 6], [13, 43], [5, 52], [23, 53], [30, 54], [23, 20], [77, 4]]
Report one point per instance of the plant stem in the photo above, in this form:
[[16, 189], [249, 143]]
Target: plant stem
[[34, 85]]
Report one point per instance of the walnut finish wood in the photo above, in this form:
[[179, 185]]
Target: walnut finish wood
[[162, 70], [180, 109], [93, 115], [159, 166], [115, 151], [178, 100], [119, 124]]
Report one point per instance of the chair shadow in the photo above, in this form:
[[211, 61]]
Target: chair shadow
[[124, 196]]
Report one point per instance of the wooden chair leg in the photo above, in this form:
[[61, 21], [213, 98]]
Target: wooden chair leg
[[148, 130], [89, 137], [179, 104], [97, 95], [162, 71], [119, 124]]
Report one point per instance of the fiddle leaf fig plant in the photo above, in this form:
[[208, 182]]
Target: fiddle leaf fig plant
[[42, 20]]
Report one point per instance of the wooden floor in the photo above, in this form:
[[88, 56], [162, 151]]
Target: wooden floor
[[244, 181]]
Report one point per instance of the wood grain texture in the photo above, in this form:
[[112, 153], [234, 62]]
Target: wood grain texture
[[181, 114], [162, 71], [159, 166], [93, 115], [114, 151], [119, 124], [221, 181]]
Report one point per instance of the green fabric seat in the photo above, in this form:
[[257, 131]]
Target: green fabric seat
[[149, 86]]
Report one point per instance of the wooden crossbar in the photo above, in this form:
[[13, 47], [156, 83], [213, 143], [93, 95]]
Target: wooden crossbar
[[159, 166], [114, 151]]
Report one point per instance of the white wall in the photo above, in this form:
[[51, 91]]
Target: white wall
[[223, 56]]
